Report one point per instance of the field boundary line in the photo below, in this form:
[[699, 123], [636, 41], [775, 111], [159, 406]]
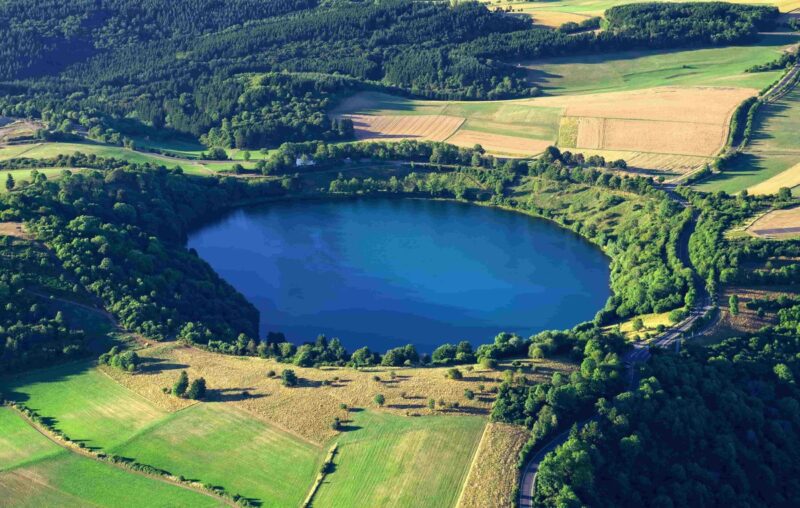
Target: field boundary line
[[321, 475], [472, 464], [70, 446]]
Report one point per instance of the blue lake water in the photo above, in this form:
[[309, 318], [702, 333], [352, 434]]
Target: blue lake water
[[383, 272]]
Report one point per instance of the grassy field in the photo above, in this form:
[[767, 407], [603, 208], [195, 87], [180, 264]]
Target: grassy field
[[52, 149], [494, 473], [84, 403], [644, 69], [36, 472], [775, 148], [398, 461], [219, 444]]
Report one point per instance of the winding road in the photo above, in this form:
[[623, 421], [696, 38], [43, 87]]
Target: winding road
[[638, 354]]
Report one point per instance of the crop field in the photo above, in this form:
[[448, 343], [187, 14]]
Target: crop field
[[84, 403], [781, 224], [36, 472], [398, 461], [398, 127], [555, 13], [771, 159], [634, 70], [494, 472], [223, 445], [661, 129]]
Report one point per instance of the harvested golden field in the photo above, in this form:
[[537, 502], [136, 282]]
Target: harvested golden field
[[398, 127], [789, 178], [17, 129], [653, 136], [668, 120], [498, 143], [494, 473], [308, 409], [777, 224]]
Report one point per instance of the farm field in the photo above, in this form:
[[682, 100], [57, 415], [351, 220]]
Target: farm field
[[645, 69], [555, 13], [491, 481], [771, 159], [661, 128], [398, 461], [84, 402], [222, 445], [268, 443], [781, 224], [36, 472]]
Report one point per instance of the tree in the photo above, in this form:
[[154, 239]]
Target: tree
[[379, 399], [638, 324], [784, 193], [469, 394], [733, 303], [288, 378], [431, 404], [10, 182], [197, 390], [180, 386]]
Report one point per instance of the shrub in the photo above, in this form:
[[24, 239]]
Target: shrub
[[288, 378], [180, 386], [197, 391], [379, 399], [453, 374]]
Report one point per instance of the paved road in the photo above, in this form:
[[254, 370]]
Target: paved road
[[640, 353]]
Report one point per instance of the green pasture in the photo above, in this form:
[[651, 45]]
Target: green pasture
[[645, 69], [36, 472], [217, 444], [83, 403], [774, 148], [389, 460]]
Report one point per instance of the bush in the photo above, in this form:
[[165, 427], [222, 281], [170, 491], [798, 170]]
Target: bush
[[453, 374], [180, 386], [197, 391], [288, 378]]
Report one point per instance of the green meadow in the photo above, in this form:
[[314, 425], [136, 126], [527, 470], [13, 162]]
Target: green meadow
[[221, 445], [774, 148], [645, 69], [36, 472], [84, 403], [389, 460]]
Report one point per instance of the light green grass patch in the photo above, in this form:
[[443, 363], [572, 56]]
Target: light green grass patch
[[20, 443], [645, 69], [84, 403], [69, 480], [49, 150], [23, 176], [774, 148], [391, 460], [568, 132], [218, 444]]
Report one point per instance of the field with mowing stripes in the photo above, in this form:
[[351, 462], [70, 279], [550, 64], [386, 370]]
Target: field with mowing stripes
[[770, 161], [219, 444], [36, 472], [399, 461]]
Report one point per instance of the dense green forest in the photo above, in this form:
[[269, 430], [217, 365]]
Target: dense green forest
[[254, 74], [711, 427]]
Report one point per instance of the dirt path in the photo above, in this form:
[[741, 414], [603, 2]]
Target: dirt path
[[89, 455]]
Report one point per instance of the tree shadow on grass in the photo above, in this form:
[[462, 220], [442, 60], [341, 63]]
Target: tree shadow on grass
[[232, 394], [155, 365]]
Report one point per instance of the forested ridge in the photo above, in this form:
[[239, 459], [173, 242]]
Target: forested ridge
[[119, 68]]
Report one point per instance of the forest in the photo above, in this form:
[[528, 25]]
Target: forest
[[257, 74]]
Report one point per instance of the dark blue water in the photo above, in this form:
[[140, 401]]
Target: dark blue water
[[383, 273]]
